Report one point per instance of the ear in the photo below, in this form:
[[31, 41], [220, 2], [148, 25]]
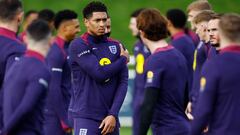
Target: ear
[[141, 33], [169, 23], [20, 17], [86, 22]]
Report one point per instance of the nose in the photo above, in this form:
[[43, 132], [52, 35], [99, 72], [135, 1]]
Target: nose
[[102, 23]]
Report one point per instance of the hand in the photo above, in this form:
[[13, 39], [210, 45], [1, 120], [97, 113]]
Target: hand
[[124, 52], [108, 125], [189, 111], [205, 130]]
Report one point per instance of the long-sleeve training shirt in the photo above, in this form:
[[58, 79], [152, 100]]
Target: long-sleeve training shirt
[[60, 86], [100, 77], [218, 105], [25, 88]]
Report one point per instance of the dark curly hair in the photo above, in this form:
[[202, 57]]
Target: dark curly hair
[[94, 6], [64, 15]]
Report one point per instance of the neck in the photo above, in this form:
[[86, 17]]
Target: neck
[[10, 26], [153, 45], [225, 43], [61, 35], [174, 31], [39, 47]]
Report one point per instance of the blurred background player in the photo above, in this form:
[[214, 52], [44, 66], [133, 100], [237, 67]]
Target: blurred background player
[[29, 17], [47, 15], [163, 105], [108, 26], [100, 76], [196, 7], [25, 94], [200, 55], [213, 32], [67, 26], [181, 41], [140, 54], [192, 10], [11, 48], [218, 104]]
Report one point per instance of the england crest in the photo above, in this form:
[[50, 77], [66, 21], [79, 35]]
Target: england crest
[[113, 49]]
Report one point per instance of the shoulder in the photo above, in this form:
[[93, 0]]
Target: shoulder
[[78, 43], [55, 51], [15, 46], [41, 70], [212, 65], [113, 41], [153, 60]]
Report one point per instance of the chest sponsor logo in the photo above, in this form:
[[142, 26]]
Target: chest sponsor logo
[[104, 61], [113, 49]]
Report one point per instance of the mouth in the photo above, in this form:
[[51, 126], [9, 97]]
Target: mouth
[[101, 30]]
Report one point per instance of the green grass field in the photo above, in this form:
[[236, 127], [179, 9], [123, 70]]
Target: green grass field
[[120, 11], [125, 131], [128, 131]]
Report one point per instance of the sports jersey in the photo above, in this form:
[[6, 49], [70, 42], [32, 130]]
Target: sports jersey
[[100, 77], [218, 105], [25, 89]]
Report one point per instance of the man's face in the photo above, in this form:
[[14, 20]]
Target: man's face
[[72, 28], [96, 24], [108, 27], [201, 30], [133, 26], [213, 31], [191, 15]]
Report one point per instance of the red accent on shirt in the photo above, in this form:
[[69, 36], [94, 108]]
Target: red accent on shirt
[[31, 53]]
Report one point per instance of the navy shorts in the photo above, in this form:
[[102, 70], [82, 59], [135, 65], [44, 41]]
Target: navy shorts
[[84, 126]]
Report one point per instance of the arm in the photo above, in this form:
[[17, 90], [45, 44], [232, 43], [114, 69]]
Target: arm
[[89, 63], [206, 99], [120, 94], [55, 63], [147, 109], [151, 96], [33, 93], [109, 122]]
